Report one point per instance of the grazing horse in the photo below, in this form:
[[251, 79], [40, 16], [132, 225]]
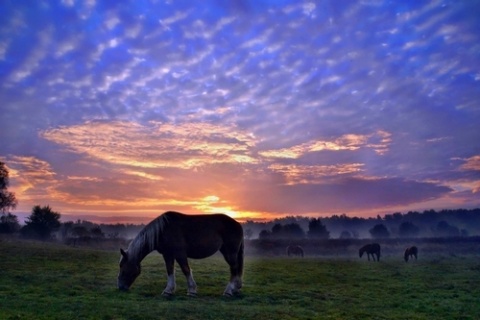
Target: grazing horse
[[371, 249], [295, 251], [179, 236], [409, 252]]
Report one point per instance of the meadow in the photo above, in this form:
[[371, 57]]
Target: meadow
[[54, 281]]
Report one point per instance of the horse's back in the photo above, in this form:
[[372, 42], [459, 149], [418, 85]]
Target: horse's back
[[371, 247], [413, 250], [203, 234]]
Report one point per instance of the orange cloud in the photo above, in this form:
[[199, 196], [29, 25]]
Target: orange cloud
[[158, 145], [296, 174], [31, 178], [378, 141], [472, 163]]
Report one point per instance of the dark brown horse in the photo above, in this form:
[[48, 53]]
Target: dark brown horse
[[295, 250], [371, 249], [410, 252], [179, 236]]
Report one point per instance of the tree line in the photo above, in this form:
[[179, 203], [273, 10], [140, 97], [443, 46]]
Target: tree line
[[413, 224], [44, 224]]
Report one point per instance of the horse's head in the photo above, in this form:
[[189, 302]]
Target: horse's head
[[405, 256], [129, 271], [360, 253]]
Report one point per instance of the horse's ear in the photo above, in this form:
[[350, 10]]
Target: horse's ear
[[124, 254]]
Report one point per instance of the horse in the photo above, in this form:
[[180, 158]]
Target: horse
[[409, 252], [177, 237], [371, 249], [295, 250]]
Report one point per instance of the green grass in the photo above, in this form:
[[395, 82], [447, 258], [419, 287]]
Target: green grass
[[49, 281]]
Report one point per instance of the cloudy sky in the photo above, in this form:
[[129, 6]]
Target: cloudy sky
[[121, 110]]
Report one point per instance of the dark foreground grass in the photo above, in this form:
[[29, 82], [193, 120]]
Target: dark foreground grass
[[48, 281]]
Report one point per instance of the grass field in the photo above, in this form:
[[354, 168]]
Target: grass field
[[50, 281]]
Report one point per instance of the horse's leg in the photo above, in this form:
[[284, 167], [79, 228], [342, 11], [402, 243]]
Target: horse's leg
[[170, 288], [192, 286], [368, 256], [235, 261]]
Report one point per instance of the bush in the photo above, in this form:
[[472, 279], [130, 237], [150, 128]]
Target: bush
[[41, 223]]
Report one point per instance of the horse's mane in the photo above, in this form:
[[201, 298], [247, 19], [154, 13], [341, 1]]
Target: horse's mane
[[147, 238]]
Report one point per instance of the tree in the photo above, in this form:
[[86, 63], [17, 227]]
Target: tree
[[7, 199], [97, 232], [444, 229], [80, 231], [293, 230], [41, 223], [317, 230], [287, 231], [346, 235], [408, 230], [379, 231], [248, 233], [9, 223], [264, 234]]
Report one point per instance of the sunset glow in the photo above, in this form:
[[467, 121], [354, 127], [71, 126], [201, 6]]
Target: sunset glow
[[119, 111]]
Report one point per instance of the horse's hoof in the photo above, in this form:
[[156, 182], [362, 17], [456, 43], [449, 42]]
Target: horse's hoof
[[231, 293], [167, 294], [192, 294]]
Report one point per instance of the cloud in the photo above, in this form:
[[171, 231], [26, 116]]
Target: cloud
[[349, 142], [158, 145], [303, 174], [472, 163], [35, 57], [32, 179], [341, 195]]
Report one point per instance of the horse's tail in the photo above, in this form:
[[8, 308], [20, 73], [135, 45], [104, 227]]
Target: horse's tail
[[240, 257], [240, 260]]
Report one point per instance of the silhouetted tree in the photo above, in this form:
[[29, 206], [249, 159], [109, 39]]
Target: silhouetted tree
[[444, 229], [65, 229], [264, 234], [345, 235], [9, 223], [8, 201], [97, 233], [287, 231], [293, 230], [79, 231], [379, 231], [277, 230], [408, 229], [41, 223], [317, 230]]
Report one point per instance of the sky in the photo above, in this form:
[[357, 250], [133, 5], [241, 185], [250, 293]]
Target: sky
[[116, 111]]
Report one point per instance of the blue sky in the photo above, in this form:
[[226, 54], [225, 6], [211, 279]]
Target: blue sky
[[120, 110]]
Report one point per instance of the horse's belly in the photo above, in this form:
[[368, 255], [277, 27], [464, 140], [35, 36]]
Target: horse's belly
[[200, 252], [203, 249]]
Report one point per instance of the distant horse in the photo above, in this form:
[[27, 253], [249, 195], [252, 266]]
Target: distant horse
[[371, 249], [179, 236], [295, 251], [410, 252]]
